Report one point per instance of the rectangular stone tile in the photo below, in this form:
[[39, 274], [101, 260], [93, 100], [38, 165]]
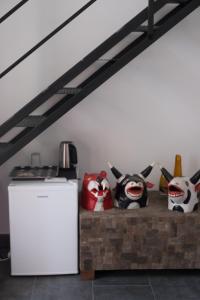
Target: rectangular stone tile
[[121, 278], [15, 298], [177, 292], [62, 288], [174, 278], [4, 269], [123, 293], [16, 287], [58, 281]]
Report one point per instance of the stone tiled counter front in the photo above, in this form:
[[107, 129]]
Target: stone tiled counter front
[[146, 238]]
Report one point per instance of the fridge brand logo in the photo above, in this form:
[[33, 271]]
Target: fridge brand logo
[[42, 196]]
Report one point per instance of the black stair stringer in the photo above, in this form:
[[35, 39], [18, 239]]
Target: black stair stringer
[[12, 10], [119, 61], [48, 37], [78, 68], [101, 75]]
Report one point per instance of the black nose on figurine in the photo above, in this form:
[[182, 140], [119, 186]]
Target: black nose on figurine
[[178, 208]]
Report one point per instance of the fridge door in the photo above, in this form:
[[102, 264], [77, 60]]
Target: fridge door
[[44, 230]]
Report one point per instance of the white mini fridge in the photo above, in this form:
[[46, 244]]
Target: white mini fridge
[[43, 219]]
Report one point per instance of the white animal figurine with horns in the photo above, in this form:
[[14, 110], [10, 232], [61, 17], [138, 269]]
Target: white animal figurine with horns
[[182, 192], [131, 190]]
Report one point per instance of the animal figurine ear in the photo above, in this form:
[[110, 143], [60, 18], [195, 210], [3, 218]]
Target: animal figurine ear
[[149, 185], [197, 187], [195, 177], [148, 170], [115, 172], [166, 174], [103, 174]]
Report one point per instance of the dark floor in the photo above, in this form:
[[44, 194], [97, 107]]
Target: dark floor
[[118, 285]]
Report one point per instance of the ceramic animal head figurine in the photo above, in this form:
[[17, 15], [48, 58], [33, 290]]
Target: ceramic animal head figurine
[[96, 194], [131, 190], [182, 191]]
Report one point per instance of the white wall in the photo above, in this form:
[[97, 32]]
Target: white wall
[[148, 111]]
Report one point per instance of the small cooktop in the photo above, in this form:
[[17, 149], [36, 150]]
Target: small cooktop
[[29, 172]]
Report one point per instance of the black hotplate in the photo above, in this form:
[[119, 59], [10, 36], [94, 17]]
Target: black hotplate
[[31, 173]]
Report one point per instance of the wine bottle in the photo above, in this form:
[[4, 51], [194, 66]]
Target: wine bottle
[[163, 185]]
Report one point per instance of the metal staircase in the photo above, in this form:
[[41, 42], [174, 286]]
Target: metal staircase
[[143, 23]]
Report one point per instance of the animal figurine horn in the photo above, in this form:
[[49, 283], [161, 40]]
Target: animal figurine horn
[[166, 174], [182, 192], [115, 172], [147, 171], [195, 178], [131, 190]]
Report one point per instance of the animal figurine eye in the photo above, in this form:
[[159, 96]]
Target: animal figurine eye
[[93, 186], [187, 183]]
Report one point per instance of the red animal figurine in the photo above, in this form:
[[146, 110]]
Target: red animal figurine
[[96, 194]]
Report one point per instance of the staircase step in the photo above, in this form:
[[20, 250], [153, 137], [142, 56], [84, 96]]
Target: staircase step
[[106, 60], [4, 147], [177, 1], [69, 91], [31, 121], [144, 28]]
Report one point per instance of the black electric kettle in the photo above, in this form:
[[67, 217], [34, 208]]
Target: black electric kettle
[[67, 155]]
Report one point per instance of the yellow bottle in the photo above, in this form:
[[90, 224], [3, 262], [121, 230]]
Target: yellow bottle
[[178, 166]]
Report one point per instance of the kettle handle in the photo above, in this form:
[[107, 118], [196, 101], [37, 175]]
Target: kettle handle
[[73, 154]]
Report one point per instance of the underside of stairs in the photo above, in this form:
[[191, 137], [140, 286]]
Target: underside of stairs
[[149, 32]]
